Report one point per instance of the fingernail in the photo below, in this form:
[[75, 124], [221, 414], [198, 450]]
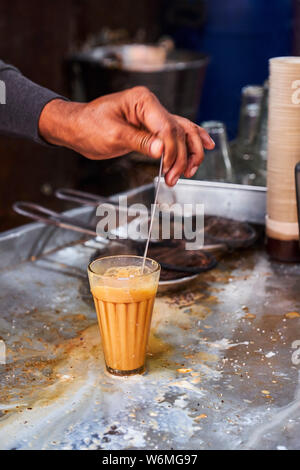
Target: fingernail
[[156, 148], [193, 170], [212, 141]]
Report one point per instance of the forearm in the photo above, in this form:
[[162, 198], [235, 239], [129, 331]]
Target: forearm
[[58, 122], [25, 100]]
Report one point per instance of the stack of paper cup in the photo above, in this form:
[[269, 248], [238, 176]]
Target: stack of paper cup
[[283, 154]]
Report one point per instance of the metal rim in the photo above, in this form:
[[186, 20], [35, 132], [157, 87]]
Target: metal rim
[[181, 280]]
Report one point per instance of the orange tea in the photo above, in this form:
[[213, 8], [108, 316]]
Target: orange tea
[[124, 298]]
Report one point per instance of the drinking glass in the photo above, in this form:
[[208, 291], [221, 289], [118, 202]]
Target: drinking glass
[[124, 297], [217, 164]]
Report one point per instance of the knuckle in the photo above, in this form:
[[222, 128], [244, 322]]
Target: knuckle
[[186, 123], [171, 129], [143, 141], [181, 133], [115, 134], [193, 130], [141, 90]]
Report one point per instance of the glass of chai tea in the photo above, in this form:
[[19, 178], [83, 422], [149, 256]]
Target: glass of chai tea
[[124, 297]]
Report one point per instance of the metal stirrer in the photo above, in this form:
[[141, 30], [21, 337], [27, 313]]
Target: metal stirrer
[[153, 212]]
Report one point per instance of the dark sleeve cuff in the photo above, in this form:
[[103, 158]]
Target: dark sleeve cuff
[[25, 100]]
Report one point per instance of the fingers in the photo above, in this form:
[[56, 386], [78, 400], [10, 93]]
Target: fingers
[[171, 143], [197, 139], [194, 145], [169, 137], [181, 140], [151, 115], [143, 142], [196, 153], [207, 141], [182, 146], [178, 158]]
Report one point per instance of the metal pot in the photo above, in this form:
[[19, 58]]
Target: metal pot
[[176, 76]]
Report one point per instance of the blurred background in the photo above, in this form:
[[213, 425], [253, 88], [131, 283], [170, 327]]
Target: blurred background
[[210, 64]]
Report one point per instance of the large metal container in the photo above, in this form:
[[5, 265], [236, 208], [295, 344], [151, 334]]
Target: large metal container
[[176, 77]]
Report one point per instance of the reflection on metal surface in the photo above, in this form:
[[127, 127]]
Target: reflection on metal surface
[[2, 352]]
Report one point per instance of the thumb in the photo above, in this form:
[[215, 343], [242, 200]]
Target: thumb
[[144, 142]]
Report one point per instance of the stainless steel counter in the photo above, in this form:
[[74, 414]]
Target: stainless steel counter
[[219, 370]]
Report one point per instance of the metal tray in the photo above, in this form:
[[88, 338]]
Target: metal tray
[[222, 370], [235, 201]]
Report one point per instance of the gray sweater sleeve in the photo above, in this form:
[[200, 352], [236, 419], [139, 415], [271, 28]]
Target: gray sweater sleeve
[[21, 103]]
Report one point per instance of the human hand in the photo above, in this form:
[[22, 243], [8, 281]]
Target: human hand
[[119, 123]]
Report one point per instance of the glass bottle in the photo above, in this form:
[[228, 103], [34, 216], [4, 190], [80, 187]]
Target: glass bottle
[[249, 115], [258, 149]]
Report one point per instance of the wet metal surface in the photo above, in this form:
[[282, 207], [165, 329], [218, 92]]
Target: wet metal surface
[[219, 370]]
